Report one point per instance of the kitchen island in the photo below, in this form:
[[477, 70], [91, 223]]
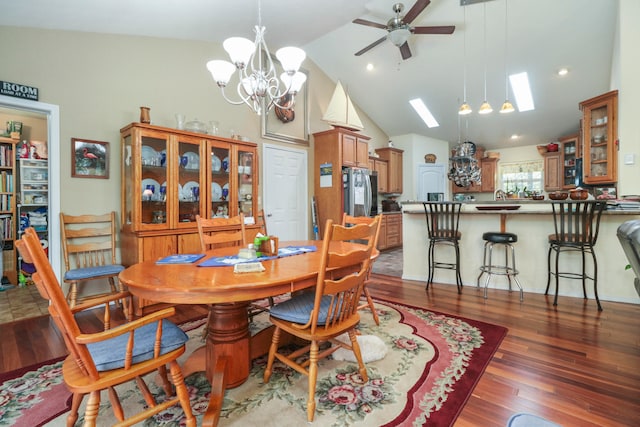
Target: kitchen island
[[533, 223]]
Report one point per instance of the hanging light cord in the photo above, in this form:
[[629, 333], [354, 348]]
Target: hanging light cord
[[464, 47], [506, 38], [485, 49]]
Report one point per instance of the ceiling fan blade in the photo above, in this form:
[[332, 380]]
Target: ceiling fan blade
[[415, 11], [444, 29], [405, 51], [369, 23], [371, 46]]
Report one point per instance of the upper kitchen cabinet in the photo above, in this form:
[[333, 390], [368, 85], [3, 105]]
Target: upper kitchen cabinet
[[342, 147], [600, 138], [382, 167], [570, 149], [393, 156]]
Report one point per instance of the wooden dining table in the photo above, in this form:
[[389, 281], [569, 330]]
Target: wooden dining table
[[229, 348]]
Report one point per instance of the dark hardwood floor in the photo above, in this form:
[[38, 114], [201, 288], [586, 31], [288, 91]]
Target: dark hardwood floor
[[570, 363]]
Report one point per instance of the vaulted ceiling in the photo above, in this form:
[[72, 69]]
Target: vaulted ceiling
[[542, 37]]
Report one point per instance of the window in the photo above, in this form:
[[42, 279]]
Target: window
[[521, 176]]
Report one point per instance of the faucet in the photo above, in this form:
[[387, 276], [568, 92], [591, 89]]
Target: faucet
[[499, 195]]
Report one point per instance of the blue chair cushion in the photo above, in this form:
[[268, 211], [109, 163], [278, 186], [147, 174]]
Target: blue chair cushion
[[298, 308], [109, 354], [89, 272]]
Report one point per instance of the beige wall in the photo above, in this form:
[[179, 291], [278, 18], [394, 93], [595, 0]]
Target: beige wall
[[100, 81]]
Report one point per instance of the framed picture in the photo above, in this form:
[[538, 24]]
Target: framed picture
[[605, 193], [289, 125], [89, 159]]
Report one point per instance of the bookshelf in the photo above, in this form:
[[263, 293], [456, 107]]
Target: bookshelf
[[8, 208]]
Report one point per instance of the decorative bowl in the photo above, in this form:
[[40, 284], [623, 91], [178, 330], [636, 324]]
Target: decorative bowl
[[542, 149], [578, 194], [538, 197], [558, 195], [552, 146]]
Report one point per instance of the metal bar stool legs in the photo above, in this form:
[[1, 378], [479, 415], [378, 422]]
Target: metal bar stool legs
[[508, 269]]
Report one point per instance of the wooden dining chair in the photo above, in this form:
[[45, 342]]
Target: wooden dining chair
[[354, 220], [220, 232], [104, 360], [89, 249], [330, 311]]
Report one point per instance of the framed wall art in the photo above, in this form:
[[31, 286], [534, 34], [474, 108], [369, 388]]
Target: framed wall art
[[89, 159], [289, 125]]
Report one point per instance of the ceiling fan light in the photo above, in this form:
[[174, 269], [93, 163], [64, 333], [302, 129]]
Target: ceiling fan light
[[485, 108], [291, 58], [507, 107], [239, 50], [399, 36], [465, 109]]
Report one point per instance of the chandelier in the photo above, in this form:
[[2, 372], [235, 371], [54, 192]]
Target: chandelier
[[258, 86], [463, 166]]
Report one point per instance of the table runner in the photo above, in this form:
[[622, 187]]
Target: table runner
[[229, 261]]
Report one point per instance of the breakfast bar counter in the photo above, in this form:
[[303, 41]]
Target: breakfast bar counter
[[533, 223]]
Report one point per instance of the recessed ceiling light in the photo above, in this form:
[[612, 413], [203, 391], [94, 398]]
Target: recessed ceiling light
[[522, 91], [424, 112], [515, 136], [563, 72], [369, 66]]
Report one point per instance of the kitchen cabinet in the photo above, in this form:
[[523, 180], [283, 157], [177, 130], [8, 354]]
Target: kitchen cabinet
[[390, 231], [570, 149], [382, 167], [334, 149], [168, 177], [8, 208], [488, 173], [393, 156], [552, 171], [600, 138]]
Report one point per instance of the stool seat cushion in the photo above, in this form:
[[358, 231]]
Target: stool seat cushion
[[496, 237]]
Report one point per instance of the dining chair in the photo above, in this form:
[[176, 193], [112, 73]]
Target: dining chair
[[349, 220], [89, 249], [331, 310], [576, 226], [220, 232], [443, 220], [101, 361]]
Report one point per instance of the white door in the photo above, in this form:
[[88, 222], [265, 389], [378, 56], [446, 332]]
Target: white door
[[431, 179], [284, 189]]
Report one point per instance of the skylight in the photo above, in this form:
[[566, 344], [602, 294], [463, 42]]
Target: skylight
[[424, 112], [522, 91]]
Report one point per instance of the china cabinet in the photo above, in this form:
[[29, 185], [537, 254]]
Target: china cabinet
[[8, 208], [168, 177], [600, 138]]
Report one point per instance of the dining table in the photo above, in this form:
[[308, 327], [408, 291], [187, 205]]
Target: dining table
[[229, 347]]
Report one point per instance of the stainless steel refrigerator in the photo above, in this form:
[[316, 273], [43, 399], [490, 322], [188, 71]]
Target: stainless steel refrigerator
[[360, 191]]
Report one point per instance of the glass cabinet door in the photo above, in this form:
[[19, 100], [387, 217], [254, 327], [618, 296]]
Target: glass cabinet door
[[189, 199], [219, 155], [153, 187], [600, 134], [246, 175]]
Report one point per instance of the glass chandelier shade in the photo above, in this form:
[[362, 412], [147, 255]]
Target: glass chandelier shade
[[465, 109], [507, 107], [485, 108], [258, 84]]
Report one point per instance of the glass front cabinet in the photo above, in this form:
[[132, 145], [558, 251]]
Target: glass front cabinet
[[169, 176], [600, 138]]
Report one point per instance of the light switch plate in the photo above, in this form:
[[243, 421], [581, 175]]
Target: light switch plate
[[630, 159]]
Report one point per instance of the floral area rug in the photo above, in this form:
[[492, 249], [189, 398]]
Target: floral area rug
[[432, 364]]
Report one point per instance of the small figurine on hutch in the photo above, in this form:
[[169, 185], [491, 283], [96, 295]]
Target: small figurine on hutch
[[24, 150]]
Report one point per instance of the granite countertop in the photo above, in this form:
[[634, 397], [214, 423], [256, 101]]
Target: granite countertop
[[524, 207]]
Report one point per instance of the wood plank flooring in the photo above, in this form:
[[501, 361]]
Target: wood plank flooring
[[570, 363]]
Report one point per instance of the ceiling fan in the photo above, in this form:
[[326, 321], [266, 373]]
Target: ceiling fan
[[399, 28]]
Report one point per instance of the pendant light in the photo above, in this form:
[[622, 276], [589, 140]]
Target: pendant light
[[465, 108], [507, 107], [485, 108]]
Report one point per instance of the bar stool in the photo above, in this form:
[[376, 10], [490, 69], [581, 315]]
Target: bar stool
[[443, 219], [576, 229], [492, 238]]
